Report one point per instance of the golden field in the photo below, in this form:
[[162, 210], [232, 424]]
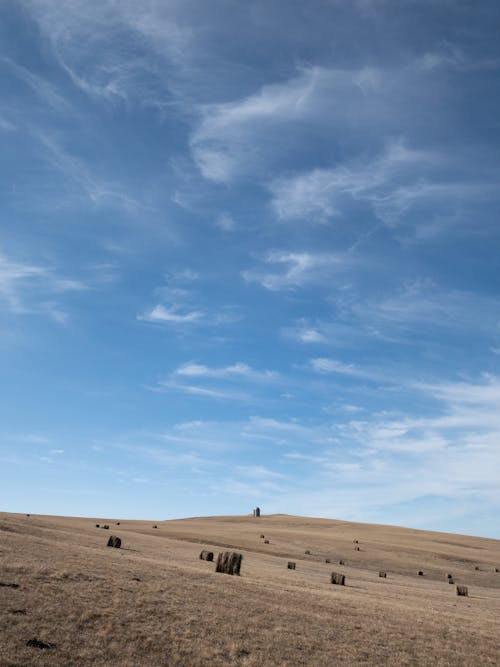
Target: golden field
[[154, 602]]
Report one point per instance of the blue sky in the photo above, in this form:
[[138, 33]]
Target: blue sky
[[249, 255]]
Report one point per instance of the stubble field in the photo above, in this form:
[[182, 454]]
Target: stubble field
[[154, 602]]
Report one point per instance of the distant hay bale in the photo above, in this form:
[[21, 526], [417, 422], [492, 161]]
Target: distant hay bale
[[450, 576], [114, 542], [382, 574], [356, 547], [291, 565], [266, 541], [28, 515], [462, 590], [451, 580], [37, 643], [327, 560], [155, 526], [229, 562], [105, 527], [307, 552], [477, 568], [341, 562], [262, 537], [117, 523], [497, 569], [97, 525], [207, 555], [420, 573], [355, 541], [337, 578]]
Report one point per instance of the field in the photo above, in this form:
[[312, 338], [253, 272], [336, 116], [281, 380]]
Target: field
[[154, 602]]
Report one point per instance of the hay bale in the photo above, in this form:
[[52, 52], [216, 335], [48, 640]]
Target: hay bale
[[229, 562], [327, 560], [207, 555], [356, 547], [420, 573], [341, 562], [337, 578], [266, 541], [114, 542], [382, 574], [155, 526], [451, 580], [477, 568], [462, 590], [307, 552], [355, 541], [117, 523], [262, 537], [37, 643], [291, 565], [497, 569], [105, 527], [97, 525], [450, 576]]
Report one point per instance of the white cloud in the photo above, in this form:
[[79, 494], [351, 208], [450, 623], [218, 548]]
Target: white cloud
[[301, 268], [238, 370], [226, 222], [109, 50], [99, 191], [324, 366], [23, 287], [162, 315], [44, 90], [224, 141], [319, 194]]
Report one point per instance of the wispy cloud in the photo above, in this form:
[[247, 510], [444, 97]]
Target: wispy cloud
[[162, 315], [226, 131], [300, 268], [86, 40], [98, 191], [326, 366], [238, 370], [45, 91], [29, 288]]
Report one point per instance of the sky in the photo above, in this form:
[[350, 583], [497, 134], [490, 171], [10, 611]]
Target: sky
[[249, 255]]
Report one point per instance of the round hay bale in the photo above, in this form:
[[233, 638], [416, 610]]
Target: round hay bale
[[97, 525], [307, 552], [337, 578], [262, 537], [229, 562], [114, 542], [327, 560], [451, 580], [266, 541], [207, 555], [291, 565], [450, 576], [341, 562], [462, 590], [382, 574], [420, 573]]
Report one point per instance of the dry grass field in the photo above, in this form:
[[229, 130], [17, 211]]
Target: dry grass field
[[154, 602]]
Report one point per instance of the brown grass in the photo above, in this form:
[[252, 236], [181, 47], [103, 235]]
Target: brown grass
[[154, 602]]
